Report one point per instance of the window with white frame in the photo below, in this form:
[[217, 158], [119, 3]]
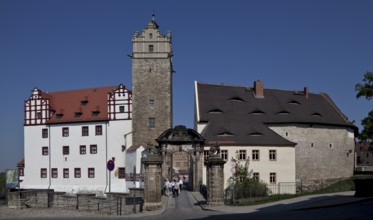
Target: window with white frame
[[54, 172], [255, 155], [43, 173], [77, 173], [272, 178], [272, 155], [242, 155], [224, 154], [66, 173], [91, 172]]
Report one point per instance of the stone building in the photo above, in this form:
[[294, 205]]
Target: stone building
[[287, 136]]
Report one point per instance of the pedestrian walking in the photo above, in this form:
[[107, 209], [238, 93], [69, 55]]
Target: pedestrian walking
[[166, 188], [180, 185], [175, 190]]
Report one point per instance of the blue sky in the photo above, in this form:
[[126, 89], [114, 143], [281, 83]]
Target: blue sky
[[288, 44]]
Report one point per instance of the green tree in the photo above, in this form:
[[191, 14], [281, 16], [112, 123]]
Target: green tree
[[365, 89], [245, 186]]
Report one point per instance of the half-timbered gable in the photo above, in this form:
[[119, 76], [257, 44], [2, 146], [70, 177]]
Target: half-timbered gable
[[37, 108], [120, 104]]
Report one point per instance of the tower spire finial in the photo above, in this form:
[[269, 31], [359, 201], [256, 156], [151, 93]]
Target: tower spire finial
[[153, 15]]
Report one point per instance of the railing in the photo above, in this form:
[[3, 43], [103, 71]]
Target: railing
[[263, 191]]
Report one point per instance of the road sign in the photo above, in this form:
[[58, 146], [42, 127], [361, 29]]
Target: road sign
[[110, 165]]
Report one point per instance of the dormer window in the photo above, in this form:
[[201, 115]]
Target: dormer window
[[95, 113], [59, 116], [236, 99], [257, 112], [78, 114], [215, 111], [283, 113], [224, 134], [316, 114], [84, 103]]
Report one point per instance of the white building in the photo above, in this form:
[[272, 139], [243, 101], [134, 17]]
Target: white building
[[69, 137]]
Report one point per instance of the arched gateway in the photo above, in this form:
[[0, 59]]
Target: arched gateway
[[158, 162]]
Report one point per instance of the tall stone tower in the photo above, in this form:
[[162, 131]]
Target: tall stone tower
[[151, 84]]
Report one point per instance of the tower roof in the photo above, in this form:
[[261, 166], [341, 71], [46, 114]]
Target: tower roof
[[152, 24]]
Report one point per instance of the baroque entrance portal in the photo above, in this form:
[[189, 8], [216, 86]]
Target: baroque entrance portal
[[184, 145], [158, 162]]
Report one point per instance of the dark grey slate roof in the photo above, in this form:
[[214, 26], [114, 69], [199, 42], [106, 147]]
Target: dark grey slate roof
[[236, 117]]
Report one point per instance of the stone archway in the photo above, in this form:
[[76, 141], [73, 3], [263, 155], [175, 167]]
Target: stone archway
[[157, 164], [182, 139]]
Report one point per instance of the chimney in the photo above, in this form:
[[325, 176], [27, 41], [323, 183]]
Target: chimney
[[258, 89], [305, 91]]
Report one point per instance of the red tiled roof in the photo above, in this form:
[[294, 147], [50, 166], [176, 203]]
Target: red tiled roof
[[69, 103], [21, 163]]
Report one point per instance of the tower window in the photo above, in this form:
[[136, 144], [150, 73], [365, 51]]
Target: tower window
[[151, 103], [151, 122], [151, 48], [150, 35]]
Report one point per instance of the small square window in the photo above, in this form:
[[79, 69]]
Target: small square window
[[65, 150], [98, 129], [65, 132], [91, 172], [93, 149], [85, 131], [44, 151], [77, 173], [77, 114], [82, 149], [66, 173], [54, 173], [121, 109], [151, 48], [44, 133], [43, 173], [38, 115], [121, 172], [256, 176]]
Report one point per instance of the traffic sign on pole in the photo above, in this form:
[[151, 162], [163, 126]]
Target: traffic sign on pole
[[110, 165]]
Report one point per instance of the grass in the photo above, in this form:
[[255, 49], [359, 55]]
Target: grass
[[342, 186]]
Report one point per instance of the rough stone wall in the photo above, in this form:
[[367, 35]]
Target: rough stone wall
[[322, 153], [151, 79]]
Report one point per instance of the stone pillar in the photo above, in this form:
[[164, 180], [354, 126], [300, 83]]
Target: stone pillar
[[152, 182], [215, 180]]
